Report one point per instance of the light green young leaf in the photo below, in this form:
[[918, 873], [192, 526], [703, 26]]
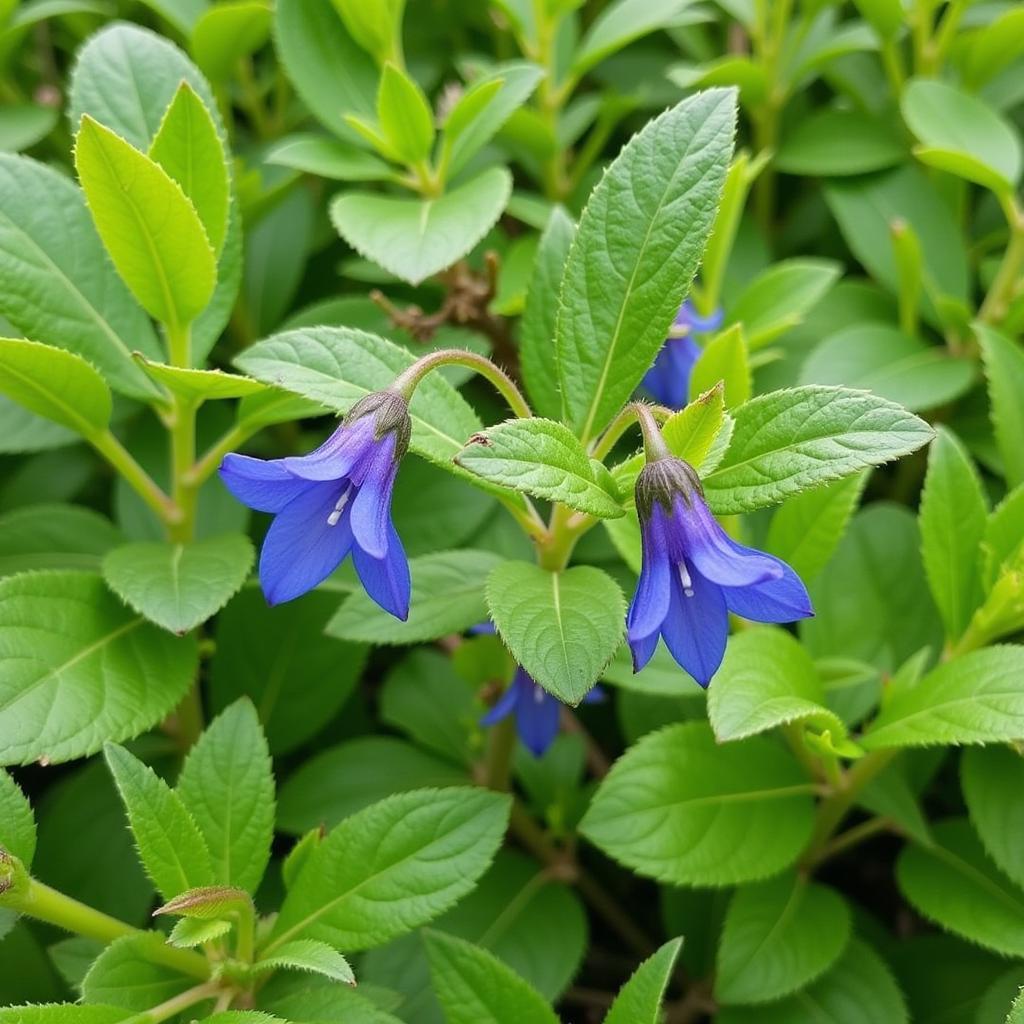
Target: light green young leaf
[[962, 134], [189, 149], [475, 987], [71, 660], [1004, 368], [17, 823], [993, 47], [179, 586], [562, 627], [778, 937], [447, 597], [63, 1013], [768, 679], [124, 975], [170, 846], [375, 27], [976, 698], [952, 517], [208, 903], [682, 809], [626, 276], [806, 529], [991, 778], [954, 884], [311, 956], [227, 785], [621, 23], [724, 359], [56, 384], [336, 366], [392, 867], [1003, 541], [59, 284], [404, 114], [227, 32], [326, 157], [147, 224], [537, 333], [790, 441], [416, 238], [199, 385], [190, 932], [639, 1000], [542, 458]]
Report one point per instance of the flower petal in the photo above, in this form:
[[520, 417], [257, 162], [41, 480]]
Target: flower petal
[[643, 650], [503, 708], [668, 380], [371, 509], [651, 600], [338, 455], [689, 317], [715, 555], [781, 600], [302, 548], [697, 627], [537, 715], [263, 485], [386, 579]]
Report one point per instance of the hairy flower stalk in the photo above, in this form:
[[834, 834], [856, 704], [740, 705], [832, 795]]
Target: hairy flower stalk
[[331, 502], [668, 380], [694, 573]]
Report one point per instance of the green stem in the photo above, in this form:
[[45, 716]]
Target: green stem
[[406, 382], [1008, 276], [618, 426], [246, 947], [172, 1007], [179, 344], [852, 837], [183, 456], [45, 904], [501, 746], [188, 719], [654, 444], [206, 466], [135, 476]]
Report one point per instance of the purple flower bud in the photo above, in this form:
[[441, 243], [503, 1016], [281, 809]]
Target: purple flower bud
[[332, 501], [694, 574], [668, 380]]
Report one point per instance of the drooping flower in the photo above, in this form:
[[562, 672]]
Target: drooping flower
[[668, 380], [335, 500], [694, 574], [537, 712]]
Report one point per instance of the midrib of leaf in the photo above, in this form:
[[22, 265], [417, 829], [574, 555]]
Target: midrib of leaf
[[941, 708], [613, 347], [795, 897], [983, 881], [176, 556], [556, 597], [757, 795], [85, 427]]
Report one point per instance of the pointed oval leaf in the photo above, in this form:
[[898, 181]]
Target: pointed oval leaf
[[17, 822], [992, 779], [639, 1000]]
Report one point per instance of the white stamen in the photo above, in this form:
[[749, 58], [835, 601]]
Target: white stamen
[[684, 578], [339, 507], [538, 693]]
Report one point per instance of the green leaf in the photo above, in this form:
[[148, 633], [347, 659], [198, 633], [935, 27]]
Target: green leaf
[[537, 332], [994, 47], [189, 149], [859, 989], [297, 677], [836, 143], [72, 659], [562, 627], [894, 365], [196, 386], [952, 516], [961, 134], [991, 780], [806, 529], [326, 157], [392, 867], [626, 276], [170, 845], [778, 937], [308, 955], [22, 125], [59, 284], [147, 224], [56, 384], [767, 679], [475, 987], [336, 366], [1004, 368], [124, 975], [621, 23], [63, 1013], [208, 903], [417, 238], [227, 785], [682, 809], [954, 884], [1003, 541], [344, 779], [326, 1003], [976, 698], [779, 298], [330, 72], [725, 359], [189, 932], [542, 458], [789, 441], [405, 115], [17, 823], [639, 1000], [447, 597], [375, 27], [228, 32], [179, 586]]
